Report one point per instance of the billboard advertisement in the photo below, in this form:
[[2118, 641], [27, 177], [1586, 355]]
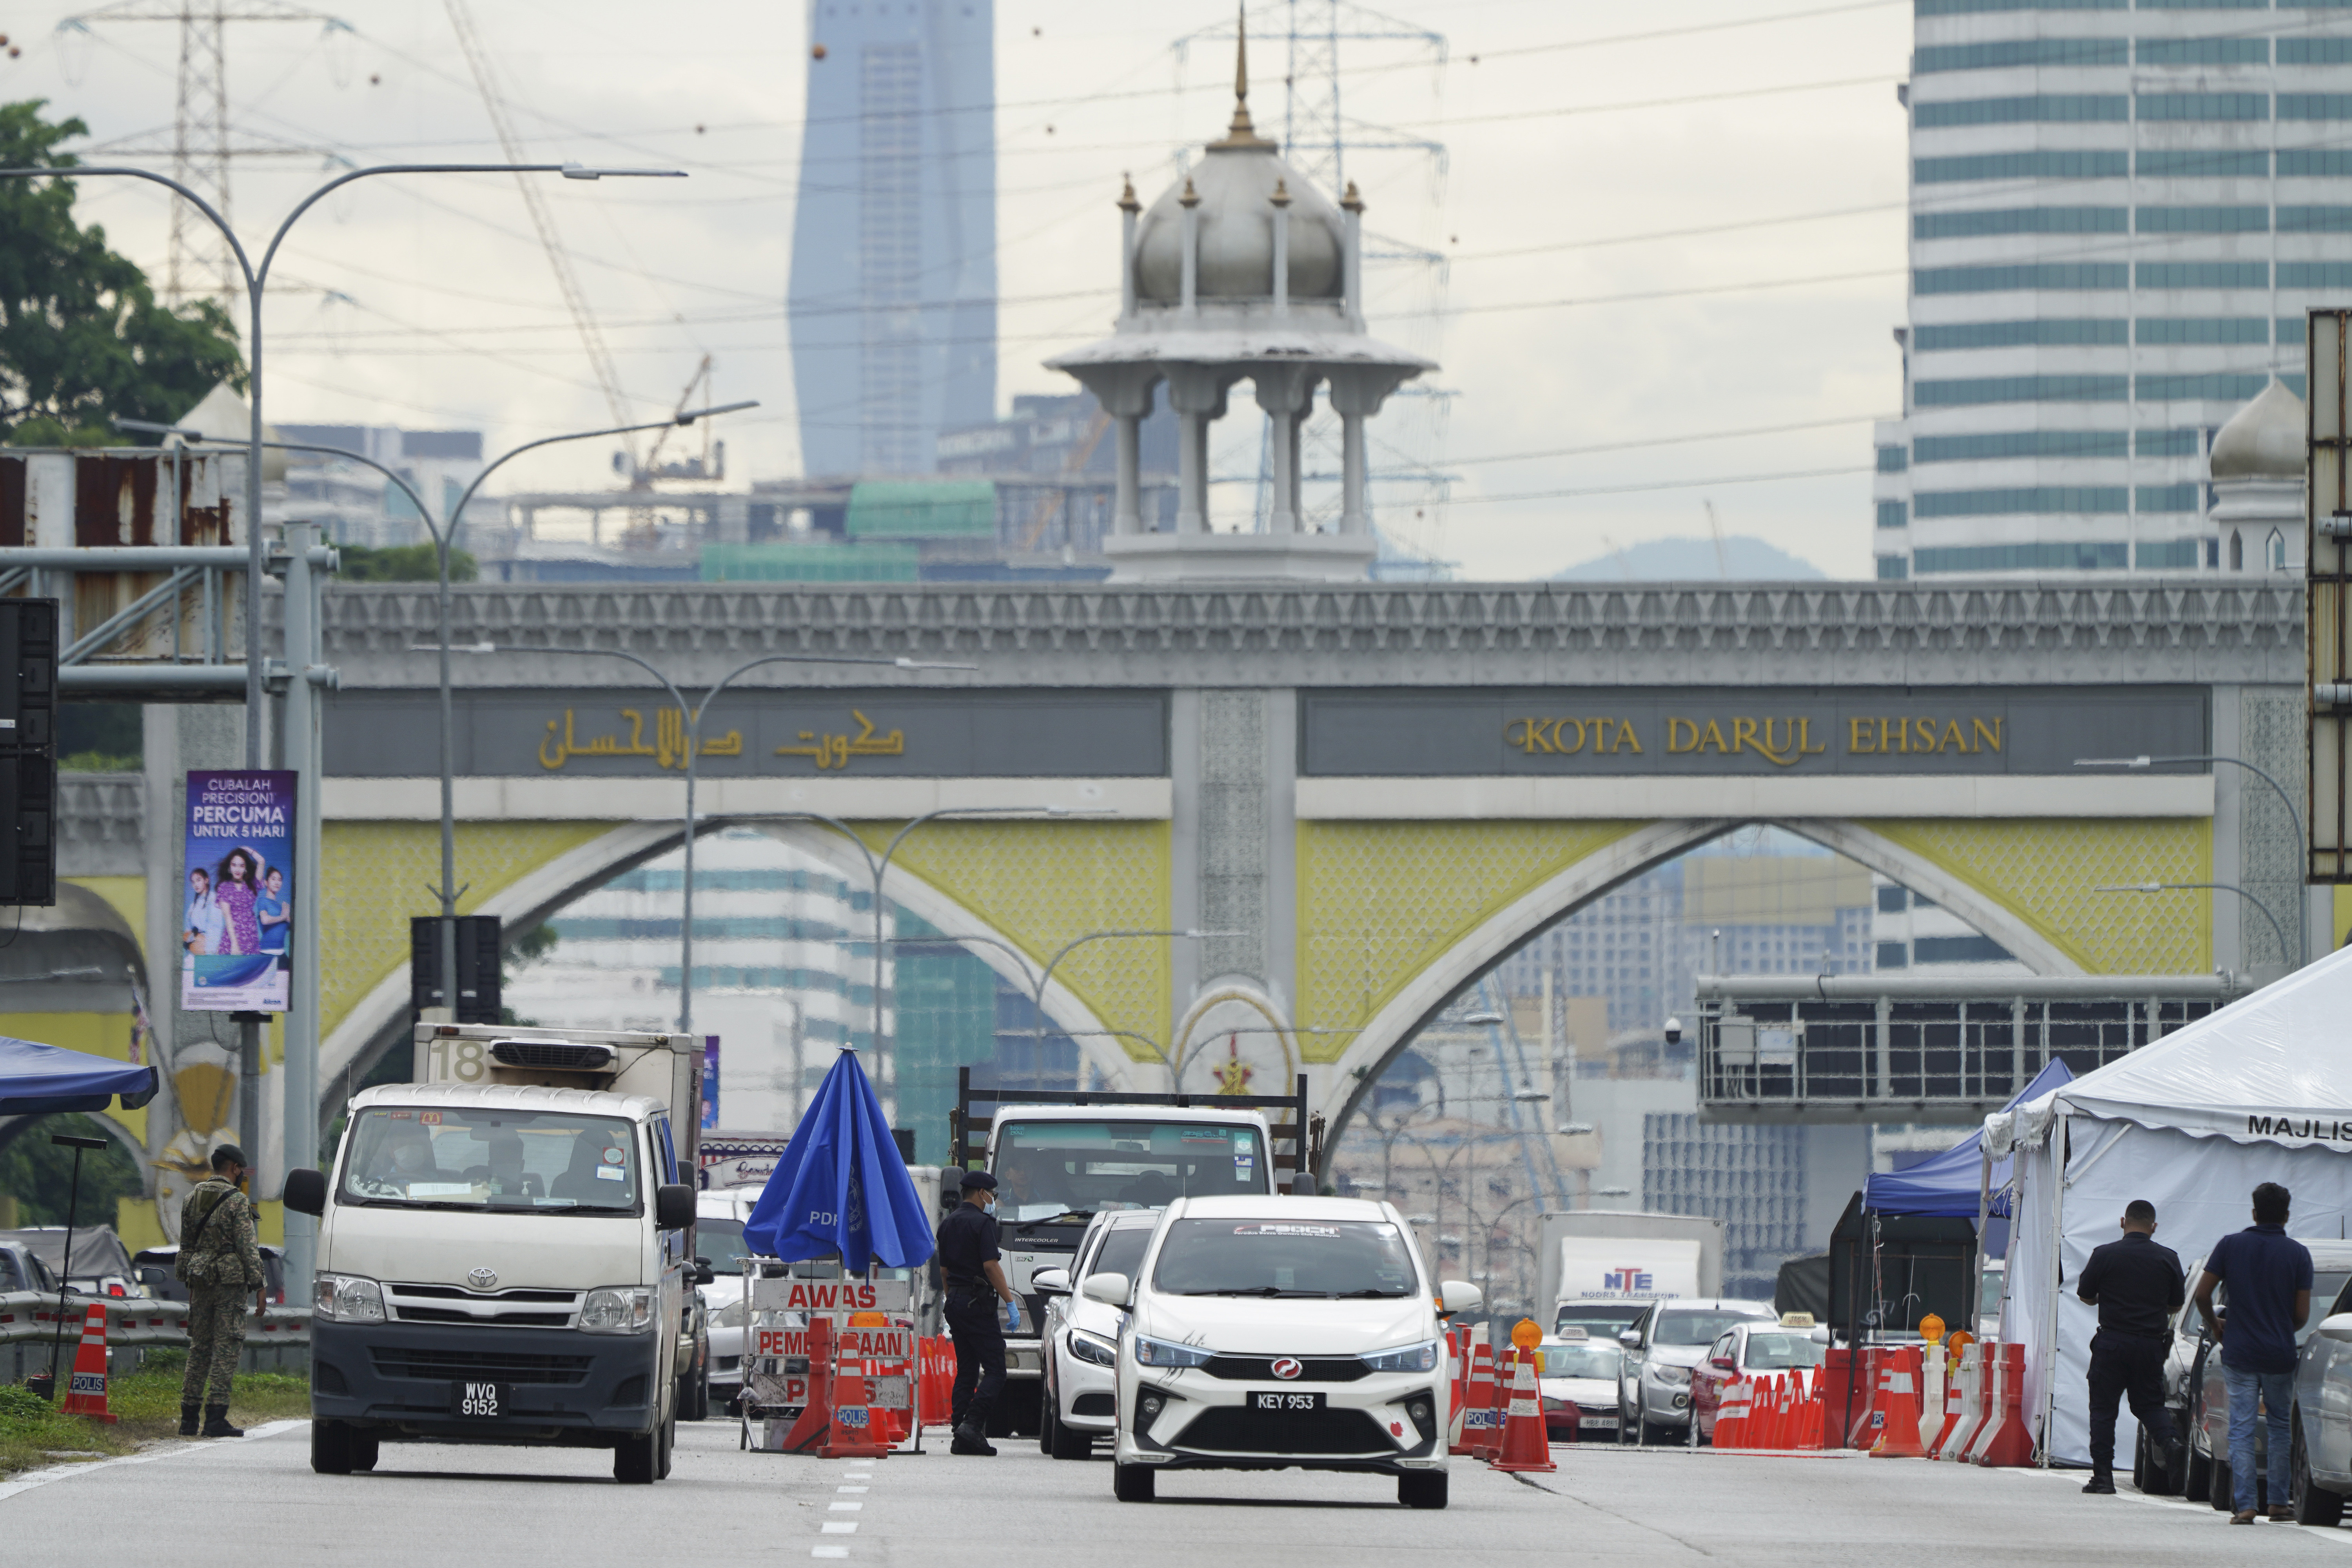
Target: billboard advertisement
[[237, 888]]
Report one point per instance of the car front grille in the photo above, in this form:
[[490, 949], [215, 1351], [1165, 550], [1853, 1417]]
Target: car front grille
[[517, 1309], [1260, 1368], [1232, 1430], [485, 1366]]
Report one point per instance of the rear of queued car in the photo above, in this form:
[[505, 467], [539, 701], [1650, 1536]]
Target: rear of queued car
[[1302, 1337]]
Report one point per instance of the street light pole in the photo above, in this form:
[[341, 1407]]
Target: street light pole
[[2301, 837], [879, 866], [256, 280], [1037, 998], [691, 713], [2185, 886]]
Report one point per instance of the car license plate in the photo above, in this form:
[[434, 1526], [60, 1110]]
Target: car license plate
[[479, 1401], [1282, 1399], [1607, 1422]]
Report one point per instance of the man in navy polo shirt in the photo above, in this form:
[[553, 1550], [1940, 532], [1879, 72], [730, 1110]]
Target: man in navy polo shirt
[[2269, 1275]]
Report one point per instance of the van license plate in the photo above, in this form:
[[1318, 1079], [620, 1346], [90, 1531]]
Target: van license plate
[[479, 1401], [1283, 1399]]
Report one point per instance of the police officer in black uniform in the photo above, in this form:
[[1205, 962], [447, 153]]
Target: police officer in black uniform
[[2138, 1287], [968, 1262]]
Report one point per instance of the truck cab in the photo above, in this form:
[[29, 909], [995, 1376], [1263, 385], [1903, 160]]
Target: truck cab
[[1060, 1158], [504, 1250]]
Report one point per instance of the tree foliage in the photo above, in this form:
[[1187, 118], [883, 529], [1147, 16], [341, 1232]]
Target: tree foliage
[[39, 1174], [82, 337], [401, 563]]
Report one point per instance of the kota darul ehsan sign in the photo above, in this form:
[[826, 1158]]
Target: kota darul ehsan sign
[[1782, 742]]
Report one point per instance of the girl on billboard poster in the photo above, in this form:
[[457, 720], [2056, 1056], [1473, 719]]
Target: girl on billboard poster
[[236, 892]]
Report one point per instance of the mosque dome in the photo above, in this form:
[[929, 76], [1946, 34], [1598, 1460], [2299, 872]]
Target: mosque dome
[[1235, 188], [2263, 440]]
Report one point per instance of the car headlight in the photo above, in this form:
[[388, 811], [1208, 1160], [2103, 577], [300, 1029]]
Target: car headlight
[[1421, 1357], [1671, 1376], [627, 1310], [1161, 1352], [346, 1299], [1093, 1348], [731, 1315]]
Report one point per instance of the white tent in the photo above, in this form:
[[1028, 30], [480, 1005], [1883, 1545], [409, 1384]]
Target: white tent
[[2260, 1091]]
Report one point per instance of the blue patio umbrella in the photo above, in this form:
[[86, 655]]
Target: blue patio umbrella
[[35, 1079], [841, 1187]]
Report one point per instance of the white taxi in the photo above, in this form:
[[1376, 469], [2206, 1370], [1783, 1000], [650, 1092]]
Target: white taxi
[[1268, 1333]]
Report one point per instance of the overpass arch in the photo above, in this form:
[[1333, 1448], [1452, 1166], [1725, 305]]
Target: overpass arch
[[378, 1021], [1399, 1019]]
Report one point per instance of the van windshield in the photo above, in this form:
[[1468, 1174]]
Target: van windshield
[[491, 1158], [1054, 1170]]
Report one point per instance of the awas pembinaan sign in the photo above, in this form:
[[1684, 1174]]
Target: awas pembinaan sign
[[236, 919]]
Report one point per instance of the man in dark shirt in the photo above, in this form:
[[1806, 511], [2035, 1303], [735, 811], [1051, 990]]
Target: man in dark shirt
[[2269, 1276], [970, 1266], [2136, 1287]]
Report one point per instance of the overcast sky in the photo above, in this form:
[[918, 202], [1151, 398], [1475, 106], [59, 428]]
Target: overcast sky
[[1677, 220]]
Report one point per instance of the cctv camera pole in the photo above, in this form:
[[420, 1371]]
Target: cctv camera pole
[[65, 1265]]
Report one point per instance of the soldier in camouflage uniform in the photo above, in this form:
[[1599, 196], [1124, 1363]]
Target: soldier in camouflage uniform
[[220, 1261]]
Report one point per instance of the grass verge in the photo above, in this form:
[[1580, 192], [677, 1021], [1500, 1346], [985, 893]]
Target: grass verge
[[147, 1405]]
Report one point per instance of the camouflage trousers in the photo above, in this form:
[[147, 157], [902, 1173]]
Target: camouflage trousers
[[217, 1317]]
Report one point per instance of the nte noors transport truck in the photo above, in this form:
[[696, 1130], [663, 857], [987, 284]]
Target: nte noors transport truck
[[503, 1249], [1600, 1267]]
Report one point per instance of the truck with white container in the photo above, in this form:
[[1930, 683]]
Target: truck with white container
[[1600, 1268], [504, 1249], [1061, 1156]]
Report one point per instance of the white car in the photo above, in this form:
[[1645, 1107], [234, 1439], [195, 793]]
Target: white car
[[1577, 1378], [1653, 1391], [718, 1219], [1080, 1335], [1268, 1333]]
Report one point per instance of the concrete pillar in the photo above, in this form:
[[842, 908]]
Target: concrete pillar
[[1128, 207], [1285, 393], [1353, 518], [1190, 202], [1281, 200], [1197, 393], [1126, 505]]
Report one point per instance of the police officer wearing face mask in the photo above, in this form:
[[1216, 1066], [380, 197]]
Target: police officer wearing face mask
[[969, 1263]]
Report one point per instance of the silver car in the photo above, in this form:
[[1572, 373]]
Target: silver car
[[2321, 1463], [1080, 1335], [1653, 1392], [2205, 1469]]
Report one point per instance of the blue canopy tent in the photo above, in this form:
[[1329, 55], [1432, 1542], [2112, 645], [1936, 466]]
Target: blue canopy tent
[[1947, 1185], [840, 1187], [35, 1079]]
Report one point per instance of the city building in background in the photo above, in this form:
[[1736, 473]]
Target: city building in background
[[1910, 934], [784, 975], [356, 504], [892, 297], [2118, 219]]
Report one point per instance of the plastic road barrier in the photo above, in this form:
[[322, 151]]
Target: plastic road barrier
[[1526, 1445], [1731, 1415], [2005, 1440], [87, 1392], [1980, 1382], [1481, 1430], [1959, 1403], [1457, 1357], [1898, 1429]]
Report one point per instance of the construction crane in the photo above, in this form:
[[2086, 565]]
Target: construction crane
[[1082, 452], [711, 466], [1715, 527], [600, 359]]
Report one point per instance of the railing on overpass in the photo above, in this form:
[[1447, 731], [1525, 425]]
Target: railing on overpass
[[1866, 1047]]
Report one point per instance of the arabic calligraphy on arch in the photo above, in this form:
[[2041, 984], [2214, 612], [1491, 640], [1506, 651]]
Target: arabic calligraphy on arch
[[668, 750]]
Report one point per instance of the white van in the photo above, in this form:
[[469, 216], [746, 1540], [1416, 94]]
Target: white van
[[1273, 1334], [504, 1260]]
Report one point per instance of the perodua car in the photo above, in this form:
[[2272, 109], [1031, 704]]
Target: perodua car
[[1269, 1333]]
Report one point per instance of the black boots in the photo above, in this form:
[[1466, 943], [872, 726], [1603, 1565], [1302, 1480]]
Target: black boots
[[188, 1420], [2100, 1484], [970, 1439], [217, 1423]]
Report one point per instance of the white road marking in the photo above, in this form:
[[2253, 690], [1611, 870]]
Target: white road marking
[[853, 1489], [146, 1456], [843, 1507], [828, 1550], [838, 1526]]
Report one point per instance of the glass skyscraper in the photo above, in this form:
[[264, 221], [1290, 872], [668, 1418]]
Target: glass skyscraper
[[2120, 213], [893, 291]]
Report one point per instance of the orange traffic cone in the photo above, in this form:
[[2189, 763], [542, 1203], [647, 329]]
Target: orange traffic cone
[[1526, 1445], [86, 1394], [1898, 1435]]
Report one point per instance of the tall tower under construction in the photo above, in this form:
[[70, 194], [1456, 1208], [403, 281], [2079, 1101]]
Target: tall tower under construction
[[893, 291]]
